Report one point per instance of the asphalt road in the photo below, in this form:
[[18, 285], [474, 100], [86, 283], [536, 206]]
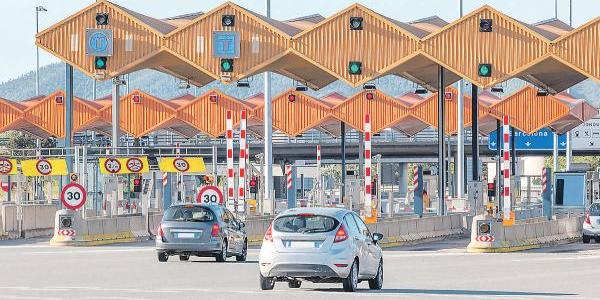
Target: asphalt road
[[34, 270]]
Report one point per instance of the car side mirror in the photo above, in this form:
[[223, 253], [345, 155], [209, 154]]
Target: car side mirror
[[377, 237]]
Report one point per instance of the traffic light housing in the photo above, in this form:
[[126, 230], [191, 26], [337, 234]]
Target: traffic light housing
[[228, 20], [226, 65], [491, 189], [485, 25], [484, 70], [137, 185], [355, 68], [101, 19], [374, 187], [356, 23], [253, 185], [100, 62]]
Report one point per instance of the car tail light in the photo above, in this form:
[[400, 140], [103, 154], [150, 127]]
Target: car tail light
[[341, 265], [215, 230], [587, 219], [341, 235], [269, 233], [159, 231], [305, 215]]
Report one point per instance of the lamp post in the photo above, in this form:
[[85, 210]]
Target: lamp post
[[38, 9]]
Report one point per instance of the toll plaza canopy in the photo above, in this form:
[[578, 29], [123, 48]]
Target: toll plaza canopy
[[356, 45], [293, 113]]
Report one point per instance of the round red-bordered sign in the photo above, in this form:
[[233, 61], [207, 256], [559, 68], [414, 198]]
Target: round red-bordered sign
[[73, 196], [5, 166], [135, 165], [210, 195], [112, 165], [43, 167], [181, 165]]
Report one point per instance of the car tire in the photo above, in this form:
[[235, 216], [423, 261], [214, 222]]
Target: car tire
[[242, 257], [586, 239], [222, 256], [266, 283], [184, 257], [294, 284], [597, 240], [351, 282], [377, 282], [162, 257]]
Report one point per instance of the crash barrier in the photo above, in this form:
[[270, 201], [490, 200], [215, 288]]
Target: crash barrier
[[36, 220], [397, 231], [529, 213], [70, 229], [490, 235]]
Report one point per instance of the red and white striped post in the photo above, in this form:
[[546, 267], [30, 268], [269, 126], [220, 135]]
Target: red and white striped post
[[544, 183], [288, 174], [319, 183], [230, 171], [368, 198], [415, 178], [506, 169], [242, 165]]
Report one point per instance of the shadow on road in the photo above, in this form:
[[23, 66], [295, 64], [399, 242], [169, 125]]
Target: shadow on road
[[452, 292], [451, 244], [227, 262]]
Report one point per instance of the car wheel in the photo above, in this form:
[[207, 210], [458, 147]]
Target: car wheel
[[377, 282], [242, 257], [597, 240], [351, 281], [184, 257], [294, 284], [222, 256], [162, 257], [266, 283], [586, 239]]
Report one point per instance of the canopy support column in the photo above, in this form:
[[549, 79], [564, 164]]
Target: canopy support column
[[441, 143]]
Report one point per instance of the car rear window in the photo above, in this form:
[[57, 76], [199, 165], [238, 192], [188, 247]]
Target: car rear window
[[595, 210], [189, 214], [305, 223]]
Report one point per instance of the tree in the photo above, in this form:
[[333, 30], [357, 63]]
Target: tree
[[19, 140]]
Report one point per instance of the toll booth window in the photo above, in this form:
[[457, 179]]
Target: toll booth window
[[560, 190], [595, 210], [188, 214]]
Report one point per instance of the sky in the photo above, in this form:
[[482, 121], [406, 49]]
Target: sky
[[17, 25]]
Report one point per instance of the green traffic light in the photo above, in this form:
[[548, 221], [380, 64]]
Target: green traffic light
[[355, 68], [100, 62], [226, 65], [485, 70]]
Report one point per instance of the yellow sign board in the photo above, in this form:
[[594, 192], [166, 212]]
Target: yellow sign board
[[124, 165], [44, 167], [8, 166], [182, 164]]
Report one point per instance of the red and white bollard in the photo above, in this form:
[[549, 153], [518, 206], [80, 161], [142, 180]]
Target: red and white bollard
[[506, 208], [288, 174], [368, 182], [230, 171], [242, 165]]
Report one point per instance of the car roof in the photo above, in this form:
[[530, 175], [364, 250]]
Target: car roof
[[323, 211]]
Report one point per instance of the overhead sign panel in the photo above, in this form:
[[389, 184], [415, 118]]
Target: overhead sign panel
[[226, 44], [587, 135], [538, 141], [182, 164], [8, 166], [124, 165], [98, 42], [44, 167]]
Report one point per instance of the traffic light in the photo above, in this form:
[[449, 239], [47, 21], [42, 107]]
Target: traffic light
[[355, 68], [253, 185], [137, 185], [491, 186], [100, 62], [226, 65], [101, 19], [484, 70], [356, 23], [485, 25], [228, 20], [374, 187], [291, 98]]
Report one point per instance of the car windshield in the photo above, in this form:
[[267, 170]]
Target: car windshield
[[305, 223], [595, 210], [189, 214]]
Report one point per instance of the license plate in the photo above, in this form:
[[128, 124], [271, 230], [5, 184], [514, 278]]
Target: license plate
[[302, 244], [186, 235]]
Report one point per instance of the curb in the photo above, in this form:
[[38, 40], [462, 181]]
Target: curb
[[101, 239], [522, 247]]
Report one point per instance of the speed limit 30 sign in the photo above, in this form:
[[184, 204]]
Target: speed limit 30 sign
[[44, 167], [181, 164], [73, 196], [210, 195]]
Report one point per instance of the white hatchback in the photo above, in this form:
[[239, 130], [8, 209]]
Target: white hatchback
[[320, 245]]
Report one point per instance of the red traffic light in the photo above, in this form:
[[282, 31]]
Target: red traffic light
[[370, 96], [137, 99], [491, 186], [213, 98], [137, 181], [291, 97], [253, 182]]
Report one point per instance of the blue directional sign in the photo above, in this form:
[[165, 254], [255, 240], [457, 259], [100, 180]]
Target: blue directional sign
[[540, 140], [226, 44]]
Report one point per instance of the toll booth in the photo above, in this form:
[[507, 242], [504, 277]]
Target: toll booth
[[593, 186], [570, 190]]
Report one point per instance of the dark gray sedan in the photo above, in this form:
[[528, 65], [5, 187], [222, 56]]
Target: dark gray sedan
[[200, 230]]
